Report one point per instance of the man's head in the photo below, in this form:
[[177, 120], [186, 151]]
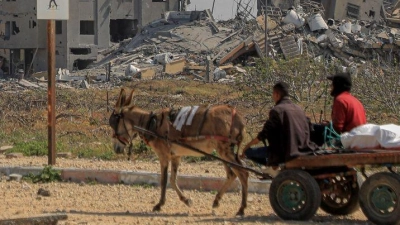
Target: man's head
[[280, 90], [340, 82]]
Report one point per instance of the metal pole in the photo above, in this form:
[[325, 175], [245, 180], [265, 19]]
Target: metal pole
[[266, 35], [51, 92], [212, 10]]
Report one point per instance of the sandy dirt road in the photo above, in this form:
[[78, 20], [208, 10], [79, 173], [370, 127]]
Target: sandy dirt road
[[87, 203], [122, 204]]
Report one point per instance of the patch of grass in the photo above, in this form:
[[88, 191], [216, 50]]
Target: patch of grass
[[47, 175], [145, 186], [140, 148], [95, 153], [195, 159]]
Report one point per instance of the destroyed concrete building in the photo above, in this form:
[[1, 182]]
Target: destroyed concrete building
[[353, 9], [370, 10], [92, 25]]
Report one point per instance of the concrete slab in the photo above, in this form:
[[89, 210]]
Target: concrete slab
[[142, 177]]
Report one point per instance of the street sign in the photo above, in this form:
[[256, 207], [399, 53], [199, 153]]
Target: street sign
[[53, 9]]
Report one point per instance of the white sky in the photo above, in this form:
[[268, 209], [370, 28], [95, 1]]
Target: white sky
[[223, 9]]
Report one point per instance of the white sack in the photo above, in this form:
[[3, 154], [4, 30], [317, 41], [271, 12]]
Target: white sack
[[362, 137], [389, 136]]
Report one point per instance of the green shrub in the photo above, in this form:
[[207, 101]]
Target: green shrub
[[47, 175]]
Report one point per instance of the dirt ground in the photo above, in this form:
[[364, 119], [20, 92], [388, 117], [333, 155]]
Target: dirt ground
[[123, 204]]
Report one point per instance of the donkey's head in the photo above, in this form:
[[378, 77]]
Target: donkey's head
[[122, 136]]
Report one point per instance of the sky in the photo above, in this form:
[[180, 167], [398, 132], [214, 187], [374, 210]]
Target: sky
[[223, 9]]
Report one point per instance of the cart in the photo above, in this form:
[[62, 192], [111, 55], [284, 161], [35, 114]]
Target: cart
[[333, 182]]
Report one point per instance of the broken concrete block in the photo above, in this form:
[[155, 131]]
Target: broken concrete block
[[15, 177], [64, 155], [219, 74], [84, 84], [175, 67], [294, 18], [147, 73], [14, 155], [131, 70], [356, 28], [322, 38], [316, 22], [346, 27], [27, 84], [163, 58], [271, 24], [5, 148]]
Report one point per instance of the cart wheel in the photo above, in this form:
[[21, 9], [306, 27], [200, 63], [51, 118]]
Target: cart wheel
[[340, 195], [294, 195], [379, 198]]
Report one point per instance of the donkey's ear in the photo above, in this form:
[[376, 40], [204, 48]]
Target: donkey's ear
[[129, 99], [121, 99]]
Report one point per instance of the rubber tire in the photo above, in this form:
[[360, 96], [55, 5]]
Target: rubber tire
[[351, 207], [384, 178], [310, 188]]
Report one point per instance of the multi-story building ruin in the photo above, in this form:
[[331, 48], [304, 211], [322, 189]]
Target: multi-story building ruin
[[92, 25]]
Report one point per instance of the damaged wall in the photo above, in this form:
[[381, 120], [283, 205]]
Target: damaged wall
[[152, 9], [79, 39], [353, 9], [21, 33]]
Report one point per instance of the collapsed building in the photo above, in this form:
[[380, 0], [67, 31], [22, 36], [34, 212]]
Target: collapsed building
[[191, 44], [92, 25]]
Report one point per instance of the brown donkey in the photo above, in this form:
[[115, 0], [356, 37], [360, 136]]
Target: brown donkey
[[218, 127]]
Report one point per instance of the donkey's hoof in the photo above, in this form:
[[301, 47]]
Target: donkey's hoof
[[188, 202], [215, 204], [157, 208], [240, 213]]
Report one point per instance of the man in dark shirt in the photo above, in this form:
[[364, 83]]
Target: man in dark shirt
[[287, 131]]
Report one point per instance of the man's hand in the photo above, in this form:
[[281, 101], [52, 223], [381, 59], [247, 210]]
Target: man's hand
[[325, 123], [243, 156]]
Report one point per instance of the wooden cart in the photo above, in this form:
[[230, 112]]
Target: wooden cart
[[331, 182]]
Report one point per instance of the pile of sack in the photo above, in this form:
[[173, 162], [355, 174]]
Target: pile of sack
[[371, 136]]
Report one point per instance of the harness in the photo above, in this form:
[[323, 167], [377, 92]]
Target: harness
[[151, 125], [114, 121], [199, 137]]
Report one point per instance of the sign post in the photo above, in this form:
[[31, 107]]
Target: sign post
[[52, 10]]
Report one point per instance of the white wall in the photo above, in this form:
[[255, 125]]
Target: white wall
[[223, 9]]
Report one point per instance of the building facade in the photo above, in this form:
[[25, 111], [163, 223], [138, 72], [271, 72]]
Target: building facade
[[367, 10], [92, 25]]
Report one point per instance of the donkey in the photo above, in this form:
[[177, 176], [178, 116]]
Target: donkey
[[218, 127]]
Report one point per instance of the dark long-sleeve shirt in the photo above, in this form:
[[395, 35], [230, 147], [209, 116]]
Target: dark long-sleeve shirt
[[287, 131]]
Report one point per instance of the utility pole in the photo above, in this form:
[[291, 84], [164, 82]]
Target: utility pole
[[266, 34], [51, 92], [51, 13]]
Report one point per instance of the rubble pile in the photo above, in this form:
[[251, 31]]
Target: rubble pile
[[192, 45]]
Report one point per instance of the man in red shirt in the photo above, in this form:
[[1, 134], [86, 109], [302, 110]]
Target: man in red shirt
[[347, 111]]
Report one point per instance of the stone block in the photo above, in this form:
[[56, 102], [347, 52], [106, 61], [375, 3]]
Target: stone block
[[5, 148], [64, 155], [15, 177], [14, 155]]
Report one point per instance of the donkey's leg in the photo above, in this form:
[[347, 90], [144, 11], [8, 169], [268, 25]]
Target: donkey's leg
[[176, 160], [230, 177], [227, 153], [243, 177], [164, 177]]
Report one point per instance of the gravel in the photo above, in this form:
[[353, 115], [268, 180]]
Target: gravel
[[122, 204]]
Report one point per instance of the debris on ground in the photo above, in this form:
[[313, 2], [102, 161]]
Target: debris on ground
[[192, 44]]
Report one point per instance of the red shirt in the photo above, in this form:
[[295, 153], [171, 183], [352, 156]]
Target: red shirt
[[347, 112]]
